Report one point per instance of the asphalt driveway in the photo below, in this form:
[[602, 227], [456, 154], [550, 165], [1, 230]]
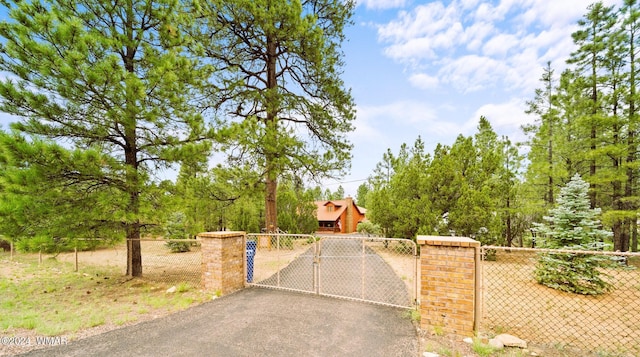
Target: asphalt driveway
[[346, 270], [260, 322]]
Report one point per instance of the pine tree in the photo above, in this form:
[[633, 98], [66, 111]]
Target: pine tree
[[111, 79], [280, 85], [176, 229], [543, 171], [572, 225], [630, 12], [592, 39]]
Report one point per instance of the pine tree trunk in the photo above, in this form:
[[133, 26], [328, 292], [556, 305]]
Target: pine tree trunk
[[631, 223], [509, 233], [271, 208], [134, 253]]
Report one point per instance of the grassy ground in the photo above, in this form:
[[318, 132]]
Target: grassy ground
[[50, 299]]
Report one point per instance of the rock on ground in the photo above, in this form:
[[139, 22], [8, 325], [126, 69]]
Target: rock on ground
[[511, 341], [496, 343]]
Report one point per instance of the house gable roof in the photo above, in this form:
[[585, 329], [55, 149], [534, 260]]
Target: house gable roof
[[324, 214]]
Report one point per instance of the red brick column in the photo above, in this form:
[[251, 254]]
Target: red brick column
[[223, 261], [448, 296]]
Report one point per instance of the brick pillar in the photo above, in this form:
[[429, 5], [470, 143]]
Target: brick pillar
[[223, 261], [448, 295]]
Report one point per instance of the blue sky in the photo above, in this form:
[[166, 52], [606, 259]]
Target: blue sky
[[432, 68]]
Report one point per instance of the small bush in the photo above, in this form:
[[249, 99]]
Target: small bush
[[176, 229], [369, 228]]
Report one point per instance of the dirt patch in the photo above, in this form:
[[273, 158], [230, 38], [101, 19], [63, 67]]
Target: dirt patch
[[159, 263], [515, 303]]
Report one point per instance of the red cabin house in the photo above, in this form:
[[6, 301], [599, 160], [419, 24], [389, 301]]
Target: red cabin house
[[339, 216]]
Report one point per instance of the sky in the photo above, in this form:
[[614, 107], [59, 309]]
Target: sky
[[432, 68]]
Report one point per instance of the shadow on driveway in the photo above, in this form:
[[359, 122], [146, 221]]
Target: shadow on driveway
[[259, 322]]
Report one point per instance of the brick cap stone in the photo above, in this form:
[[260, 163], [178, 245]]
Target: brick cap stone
[[221, 234], [447, 241]]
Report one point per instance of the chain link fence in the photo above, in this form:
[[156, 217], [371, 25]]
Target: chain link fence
[[170, 261], [283, 261], [514, 302], [378, 270]]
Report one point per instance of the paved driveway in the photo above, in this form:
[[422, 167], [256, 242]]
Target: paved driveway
[[345, 269], [260, 322]]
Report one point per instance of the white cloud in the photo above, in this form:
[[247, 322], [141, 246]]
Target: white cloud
[[382, 4], [365, 130], [472, 73], [406, 116], [477, 44], [500, 45], [475, 34], [431, 26], [505, 118], [423, 81]]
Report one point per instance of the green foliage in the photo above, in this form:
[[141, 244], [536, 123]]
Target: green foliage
[[42, 243], [482, 349], [572, 225], [368, 227], [587, 121], [176, 229], [115, 84], [283, 118], [468, 189], [361, 195], [296, 210]]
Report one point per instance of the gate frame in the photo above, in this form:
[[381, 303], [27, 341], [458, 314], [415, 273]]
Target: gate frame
[[316, 265]]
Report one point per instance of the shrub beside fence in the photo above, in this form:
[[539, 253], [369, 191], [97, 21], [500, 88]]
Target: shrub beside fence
[[515, 303]]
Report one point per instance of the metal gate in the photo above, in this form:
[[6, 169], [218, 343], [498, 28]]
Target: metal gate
[[377, 270]]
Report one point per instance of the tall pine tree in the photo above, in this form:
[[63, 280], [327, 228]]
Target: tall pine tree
[[280, 85]]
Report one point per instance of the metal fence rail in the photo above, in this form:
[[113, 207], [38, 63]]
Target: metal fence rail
[[378, 270], [515, 303]]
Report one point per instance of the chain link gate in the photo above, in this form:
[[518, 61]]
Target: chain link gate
[[377, 270]]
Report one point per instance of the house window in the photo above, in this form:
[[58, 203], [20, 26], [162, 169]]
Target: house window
[[330, 208]]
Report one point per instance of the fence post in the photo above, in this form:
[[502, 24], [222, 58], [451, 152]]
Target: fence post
[[223, 261], [448, 295], [75, 251]]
